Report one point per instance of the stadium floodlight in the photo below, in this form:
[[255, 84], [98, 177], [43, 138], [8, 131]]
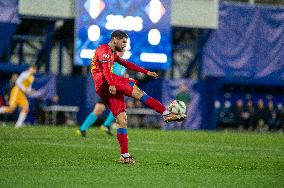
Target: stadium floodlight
[[155, 10], [154, 36], [94, 7], [94, 33], [153, 57]]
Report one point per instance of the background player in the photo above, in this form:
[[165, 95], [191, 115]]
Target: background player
[[18, 94], [113, 88], [100, 108]]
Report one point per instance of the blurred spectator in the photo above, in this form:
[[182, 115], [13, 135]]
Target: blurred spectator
[[280, 116], [38, 105], [134, 120], [53, 101], [226, 115], [217, 106], [249, 115], [238, 111], [61, 117], [38, 110], [183, 94], [261, 116], [138, 104], [129, 103], [272, 115]]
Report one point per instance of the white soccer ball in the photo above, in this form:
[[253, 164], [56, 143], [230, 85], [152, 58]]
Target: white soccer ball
[[177, 107]]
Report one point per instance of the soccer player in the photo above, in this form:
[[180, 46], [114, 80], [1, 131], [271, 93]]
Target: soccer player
[[18, 94], [100, 108], [112, 88]]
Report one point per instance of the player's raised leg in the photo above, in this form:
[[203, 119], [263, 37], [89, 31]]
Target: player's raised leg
[[91, 118], [6, 109], [156, 105], [13, 100]]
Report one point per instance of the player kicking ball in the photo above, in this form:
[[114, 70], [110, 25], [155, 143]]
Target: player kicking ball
[[100, 108], [112, 88]]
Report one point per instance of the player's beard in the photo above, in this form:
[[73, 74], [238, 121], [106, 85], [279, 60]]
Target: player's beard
[[119, 49]]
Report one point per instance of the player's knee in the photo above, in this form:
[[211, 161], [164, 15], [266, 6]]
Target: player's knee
[[25, 110], [10, 109], [122, 120], [122, 123], [137, 93], [99, 109]]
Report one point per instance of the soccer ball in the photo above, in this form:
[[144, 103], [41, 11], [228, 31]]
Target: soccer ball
[[177, 107]]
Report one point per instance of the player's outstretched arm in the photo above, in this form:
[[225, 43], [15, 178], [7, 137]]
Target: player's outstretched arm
[[130, 65], [153, 74]]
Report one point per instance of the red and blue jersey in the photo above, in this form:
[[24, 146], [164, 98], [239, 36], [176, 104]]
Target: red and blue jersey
[[103, 62]]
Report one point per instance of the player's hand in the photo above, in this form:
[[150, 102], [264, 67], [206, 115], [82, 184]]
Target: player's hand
[[27, 91], [112, 90], [153, 74], [31, 92]]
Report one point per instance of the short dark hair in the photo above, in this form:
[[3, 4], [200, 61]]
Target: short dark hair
[[33, 66], [118, 34]]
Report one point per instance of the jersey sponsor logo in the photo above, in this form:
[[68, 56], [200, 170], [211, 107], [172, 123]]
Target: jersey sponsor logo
[[106, 56]]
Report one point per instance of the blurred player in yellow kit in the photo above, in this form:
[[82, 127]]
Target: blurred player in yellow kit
[[18, 95]]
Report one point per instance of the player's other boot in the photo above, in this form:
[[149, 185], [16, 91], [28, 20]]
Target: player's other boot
[[127, 160], [107, 130], [81, 133], [174, 117], [20, 126]]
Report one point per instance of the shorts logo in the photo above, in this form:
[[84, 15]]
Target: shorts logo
[[106, 56]]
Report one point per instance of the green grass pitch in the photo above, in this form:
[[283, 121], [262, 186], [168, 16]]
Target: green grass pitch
[[55, 157]]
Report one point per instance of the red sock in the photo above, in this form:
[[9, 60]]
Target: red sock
[[122, 138], [154, 104]]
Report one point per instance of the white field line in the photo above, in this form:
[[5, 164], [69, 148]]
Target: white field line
[[217, 151], [191, 146]]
